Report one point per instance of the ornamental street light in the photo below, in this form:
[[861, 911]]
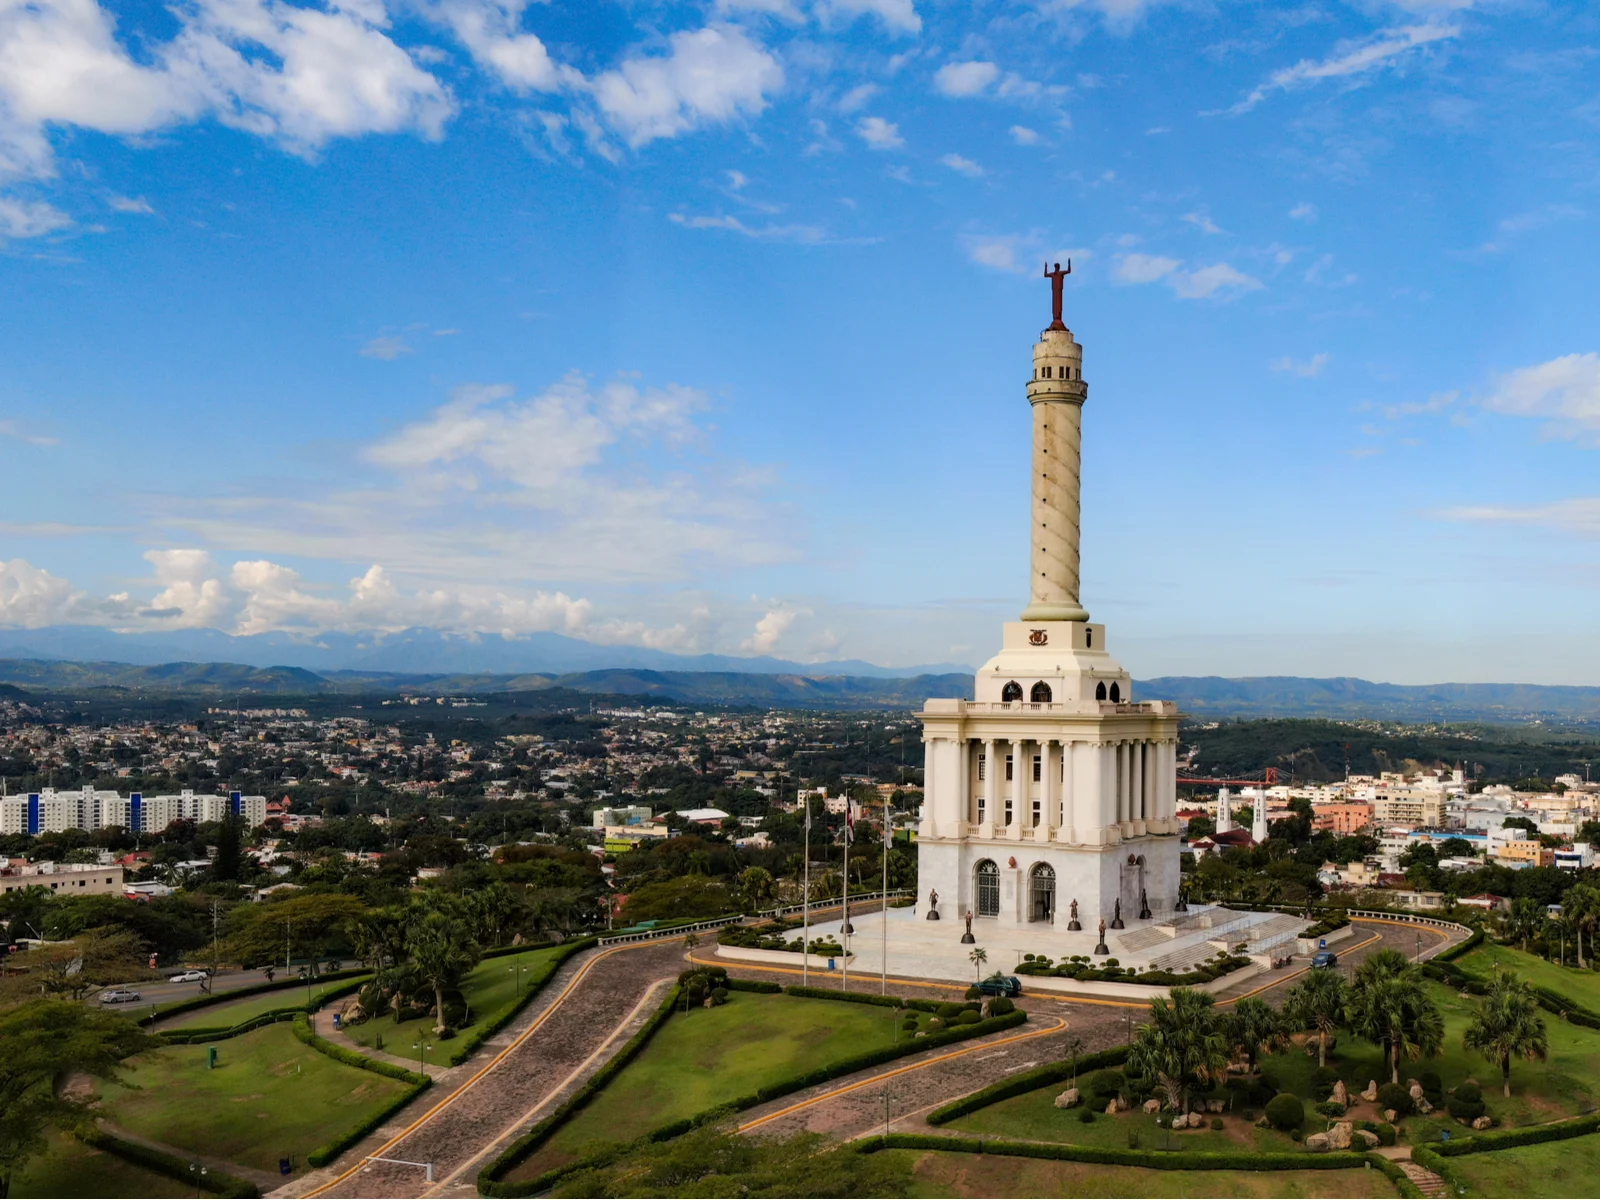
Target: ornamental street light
[[422, 1049]]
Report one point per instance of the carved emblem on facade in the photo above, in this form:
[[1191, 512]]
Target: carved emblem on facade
[[1038, 637]]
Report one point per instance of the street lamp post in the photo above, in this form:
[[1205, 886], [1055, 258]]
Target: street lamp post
[[518, 970], [422, 1048]]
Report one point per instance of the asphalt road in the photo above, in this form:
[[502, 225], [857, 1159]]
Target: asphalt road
[[162, 992]]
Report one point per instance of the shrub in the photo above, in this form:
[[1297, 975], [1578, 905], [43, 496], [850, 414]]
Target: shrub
[[719, 994], [974, 993], [908, 1023], [1465, 1110], [1395, 1096], [1295, 1135], [1468, 1091], [1330, 1108], [1322, 1081], [1086, 1115], [967, 1018], [1001, 1006], [1216, 1124], [1106, 1084], [950, 1009], [1285, 1111], [1385, 1132], [935, 1022], [1432, 1086]]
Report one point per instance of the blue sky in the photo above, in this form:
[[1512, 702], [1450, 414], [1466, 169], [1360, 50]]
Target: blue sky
[[704, 326]]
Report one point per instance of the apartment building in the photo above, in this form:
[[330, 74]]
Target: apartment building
[[50, 811]]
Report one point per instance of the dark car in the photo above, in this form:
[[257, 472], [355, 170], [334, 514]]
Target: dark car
[[1001, 985], [1325, 959]]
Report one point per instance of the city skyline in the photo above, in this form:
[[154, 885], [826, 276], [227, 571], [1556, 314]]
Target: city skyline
[[704, 327]]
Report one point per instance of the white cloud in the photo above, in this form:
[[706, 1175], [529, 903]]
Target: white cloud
[[997, 252], [774, 233], [963, 166], [1580, 515], [965, 78], [489, 29], [1540, 217], [775, 8], [1564, 392], [32, 598], [1304, 368], [192, 595], [1218, 279], [879, 134], [709, 76], [1143, 268], [1202, 222], [1349, 59], [1023, 136], [131, 204], [899, 16], [769, 631], [29, 218], [300, 75], [1205, 282], [386, 348], [857, 96], [1304, 211], [10, 429]]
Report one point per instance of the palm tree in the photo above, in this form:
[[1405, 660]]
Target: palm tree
[[1388, 1004], [1252, 1024], [1525, 917], [1182, 1046], [1580, 908], [1318, 1002], [494, 912], [1507, 1025], [442, 951], [978, 957]]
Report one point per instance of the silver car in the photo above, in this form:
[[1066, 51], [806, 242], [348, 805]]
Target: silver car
[[188, 977], [119, 996]]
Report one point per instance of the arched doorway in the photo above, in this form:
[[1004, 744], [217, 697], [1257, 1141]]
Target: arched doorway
[[1042, 892], [1041, 693], [986, 877], [1011, 693]]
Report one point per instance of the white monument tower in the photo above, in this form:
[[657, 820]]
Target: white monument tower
[[1224, 811], [1052, 786], [1258, 823]]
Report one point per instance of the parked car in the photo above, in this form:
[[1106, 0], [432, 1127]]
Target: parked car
[[119, 996], [1325, 959], [1001, 985], [188, 977]]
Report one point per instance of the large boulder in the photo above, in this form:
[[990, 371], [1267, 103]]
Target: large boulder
[[1483, 1122], [1371, 1093], [1339, 1135], [1423, 1106], [1112, 1107], [1368, 1139], [1415, 1089], [1152, 1106], [1390, 1115], [1068, 1098], [1181, 1121], [1215, 1106], [1317, 1141], [1340, 1094]]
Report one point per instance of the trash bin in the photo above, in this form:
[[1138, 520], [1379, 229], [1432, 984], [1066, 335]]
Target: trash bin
[[211, 1058], [338, 1019], [830, 964], [283, 1166]]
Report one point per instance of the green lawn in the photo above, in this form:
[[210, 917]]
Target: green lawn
[[1568, 1168], [227, 1013], [710, 1056], [492, 985], [1582, 986], [269, 1096], [940, 1173], [1566, 1085], [69, 1168], [1033, 1116]]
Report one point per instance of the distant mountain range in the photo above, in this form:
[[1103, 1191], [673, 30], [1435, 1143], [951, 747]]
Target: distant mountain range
[[414, 651], [822, 686]]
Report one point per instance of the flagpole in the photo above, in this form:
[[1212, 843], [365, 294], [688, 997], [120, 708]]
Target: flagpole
[[805, 906], [883, 906], [844, 929]]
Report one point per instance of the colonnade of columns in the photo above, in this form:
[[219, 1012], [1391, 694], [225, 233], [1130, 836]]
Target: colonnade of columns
[[1064, 790]]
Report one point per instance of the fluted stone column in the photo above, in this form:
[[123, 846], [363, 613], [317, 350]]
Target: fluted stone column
[[1057, 393], [991, 768]]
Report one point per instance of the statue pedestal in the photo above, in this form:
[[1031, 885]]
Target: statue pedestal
[[967, 939], [933, 914], [1075, 926], [1102, 948]]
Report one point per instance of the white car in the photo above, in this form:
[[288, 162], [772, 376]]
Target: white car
[[188, 977], [119, 996]]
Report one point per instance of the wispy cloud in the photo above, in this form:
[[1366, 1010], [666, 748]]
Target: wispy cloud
[[962, 166], [386, 348], [772, 233], [1580, 515], [1349, 59], [1218, 280], [11, 429], [1303, 368], [1023, 136], [1564, 392], [879, 134], [131, 204], [1304, 211]]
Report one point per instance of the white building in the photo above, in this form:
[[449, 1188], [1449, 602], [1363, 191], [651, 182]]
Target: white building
[[50, 811], [1053, 785]]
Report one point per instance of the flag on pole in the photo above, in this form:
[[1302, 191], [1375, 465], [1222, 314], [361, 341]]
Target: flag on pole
[[849, 819]]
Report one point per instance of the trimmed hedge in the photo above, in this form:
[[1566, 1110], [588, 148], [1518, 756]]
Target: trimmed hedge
[[764, 986], [491, 1178], [219, 1183], [255, 989], [1466, 947], [495, 1022], [1025, 1081], [816, 993], [326, 1153], [1527, 1135], [201, 1033], [1161, 1160]]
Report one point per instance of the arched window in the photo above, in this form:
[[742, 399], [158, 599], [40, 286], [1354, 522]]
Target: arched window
[[1041, 693], [1011, 692], [1100, 691], [1042, 893], [1116, 694], [986, 877], [1088, 639]]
